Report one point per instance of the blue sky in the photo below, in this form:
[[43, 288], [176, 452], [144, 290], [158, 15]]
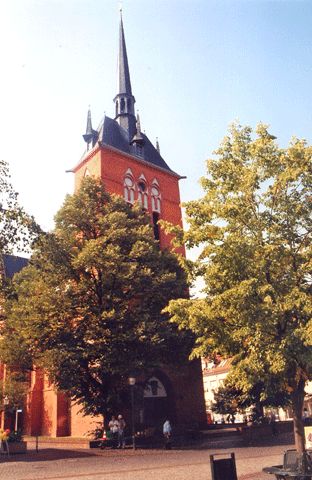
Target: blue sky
[[196, 66]]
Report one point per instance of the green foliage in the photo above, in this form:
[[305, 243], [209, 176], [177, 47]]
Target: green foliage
[[17, 229], [14, 388], [234, 397], [253, 226], [226, 401], [98, 286]]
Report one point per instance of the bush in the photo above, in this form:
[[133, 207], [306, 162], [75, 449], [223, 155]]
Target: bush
[[10, 436]]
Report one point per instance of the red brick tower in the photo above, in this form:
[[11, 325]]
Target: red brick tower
[[131, 166]]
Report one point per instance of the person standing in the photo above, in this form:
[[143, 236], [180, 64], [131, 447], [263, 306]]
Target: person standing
[[121, 432], [167, 432], [113, 428]]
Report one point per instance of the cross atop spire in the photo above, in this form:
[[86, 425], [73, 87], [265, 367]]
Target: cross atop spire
[[124, 99]]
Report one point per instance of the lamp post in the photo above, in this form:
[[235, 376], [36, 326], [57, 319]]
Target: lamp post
[[6, 402], [132, 381]]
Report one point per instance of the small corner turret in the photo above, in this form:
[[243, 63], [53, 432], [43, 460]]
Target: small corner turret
[[91, 136]]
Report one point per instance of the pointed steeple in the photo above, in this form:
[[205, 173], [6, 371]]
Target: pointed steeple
[[157, 145], [90, 136], [138, 141], [124, 100], [124, 83], [138, 137]]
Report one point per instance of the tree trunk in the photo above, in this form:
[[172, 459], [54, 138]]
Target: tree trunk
[[259, 409], [297, 398]]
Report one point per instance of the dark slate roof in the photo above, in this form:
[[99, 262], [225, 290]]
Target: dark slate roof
[[13, 264], [111, 133]]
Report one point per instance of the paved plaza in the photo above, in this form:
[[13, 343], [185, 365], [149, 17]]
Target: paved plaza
[[95, 464]]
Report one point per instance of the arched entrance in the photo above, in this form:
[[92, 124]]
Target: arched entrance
[[157, 400]]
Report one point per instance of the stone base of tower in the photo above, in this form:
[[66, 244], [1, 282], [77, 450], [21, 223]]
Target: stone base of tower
[[173, 393]]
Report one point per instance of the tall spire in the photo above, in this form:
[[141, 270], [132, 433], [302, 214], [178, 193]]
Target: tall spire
[[124, 83], [124, 100]]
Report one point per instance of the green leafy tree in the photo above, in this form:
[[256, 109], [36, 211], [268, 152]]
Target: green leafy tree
[[89, 306], [14, 389], [226, 401], [254, 226], [233, 397], [17, 229]]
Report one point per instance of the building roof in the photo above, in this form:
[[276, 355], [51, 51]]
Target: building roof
[[124, 131], [222, 367], [13, 264], [111, 133]]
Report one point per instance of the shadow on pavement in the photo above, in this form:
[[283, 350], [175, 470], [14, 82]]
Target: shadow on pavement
[[46, 454]]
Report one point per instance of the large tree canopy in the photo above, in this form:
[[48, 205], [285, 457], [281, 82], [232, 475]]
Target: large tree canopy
[[254, 226], [89, 306]]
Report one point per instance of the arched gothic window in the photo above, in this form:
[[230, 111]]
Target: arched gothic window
[[154, 388], [129, 189], [156, 197], [143, 194]]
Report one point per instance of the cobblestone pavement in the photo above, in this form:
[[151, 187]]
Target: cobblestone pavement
[[56, 464]]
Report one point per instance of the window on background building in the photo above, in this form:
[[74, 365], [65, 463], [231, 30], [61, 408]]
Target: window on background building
[[129, 188], [143, 194]]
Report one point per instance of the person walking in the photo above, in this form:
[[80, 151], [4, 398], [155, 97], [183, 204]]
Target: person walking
[[167, 431], [113, 429], [121, 432]]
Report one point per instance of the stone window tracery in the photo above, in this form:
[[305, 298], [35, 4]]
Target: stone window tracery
[[156, 198], [143, 194], [129, 188]]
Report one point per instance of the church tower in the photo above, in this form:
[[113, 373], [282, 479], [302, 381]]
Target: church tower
[[126, 160], [130, 165]]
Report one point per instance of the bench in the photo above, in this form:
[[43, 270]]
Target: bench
[[295, 466]]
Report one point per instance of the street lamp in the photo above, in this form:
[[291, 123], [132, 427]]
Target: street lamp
[[6, 402], [132, 381]]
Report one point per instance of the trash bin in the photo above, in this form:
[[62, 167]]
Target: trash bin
[[223, 468]]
